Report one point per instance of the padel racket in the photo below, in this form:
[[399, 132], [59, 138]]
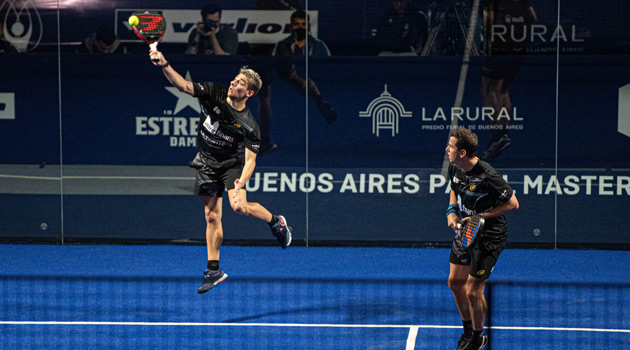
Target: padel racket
[[471, 230], [150, 28]]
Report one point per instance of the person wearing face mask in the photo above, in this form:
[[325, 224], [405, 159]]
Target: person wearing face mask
[[295, 44], [282, 62]]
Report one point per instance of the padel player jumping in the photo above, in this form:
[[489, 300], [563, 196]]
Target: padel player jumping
[[470, 180], [228, 141]]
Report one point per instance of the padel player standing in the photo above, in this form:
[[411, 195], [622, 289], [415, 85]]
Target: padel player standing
[[228, 140], [472, 179]]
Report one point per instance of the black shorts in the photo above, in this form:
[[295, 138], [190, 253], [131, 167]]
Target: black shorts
[[502, 67], [214, 177], [481, 258]]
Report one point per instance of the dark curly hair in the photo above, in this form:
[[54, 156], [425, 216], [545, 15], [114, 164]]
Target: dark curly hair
[[466, 140]]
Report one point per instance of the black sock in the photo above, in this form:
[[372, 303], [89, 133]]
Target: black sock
[[273, 221], [213, 265], [318, 99], [476, 337], [468, 330]]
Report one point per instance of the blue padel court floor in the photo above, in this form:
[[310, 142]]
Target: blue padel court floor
[[144, 297]]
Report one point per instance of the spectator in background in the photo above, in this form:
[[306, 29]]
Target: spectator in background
[[402, 30], [504, 57], [295, 44], [210, 37], [282, 62], [104, 40], [5, 45]]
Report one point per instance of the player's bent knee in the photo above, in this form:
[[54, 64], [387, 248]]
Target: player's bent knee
[[212, 217], [240, 209]]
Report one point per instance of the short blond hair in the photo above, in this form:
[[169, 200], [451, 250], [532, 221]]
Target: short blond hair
[[254, 82]]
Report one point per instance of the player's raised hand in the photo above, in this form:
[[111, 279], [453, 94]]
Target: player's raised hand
[[157, 58]]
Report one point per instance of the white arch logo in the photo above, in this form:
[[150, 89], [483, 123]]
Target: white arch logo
[[385, 112], [22, 24], [623, 120]]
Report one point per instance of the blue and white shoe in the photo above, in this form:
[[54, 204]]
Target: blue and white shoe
[[282, 232], [211, 279]]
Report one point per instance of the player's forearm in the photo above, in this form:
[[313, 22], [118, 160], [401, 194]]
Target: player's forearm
[[248, 170], [503, 209], [452, 211], [453, 198], [177, 80]]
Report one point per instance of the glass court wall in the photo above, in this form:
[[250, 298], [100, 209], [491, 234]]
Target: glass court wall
[[95, 146]]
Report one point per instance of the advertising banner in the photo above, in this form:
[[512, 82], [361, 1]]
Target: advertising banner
[[254, 27], [347, 28], [375, 175]]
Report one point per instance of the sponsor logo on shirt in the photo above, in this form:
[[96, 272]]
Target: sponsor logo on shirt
[[212, 127]]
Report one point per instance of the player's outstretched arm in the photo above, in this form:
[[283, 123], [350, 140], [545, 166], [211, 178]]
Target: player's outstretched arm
[[183, 85]]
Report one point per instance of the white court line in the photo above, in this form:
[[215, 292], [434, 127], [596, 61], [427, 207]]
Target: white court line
[[411, 339], [115, 177], [564, 329], [205, 324], [312, 325], [29, 177]]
